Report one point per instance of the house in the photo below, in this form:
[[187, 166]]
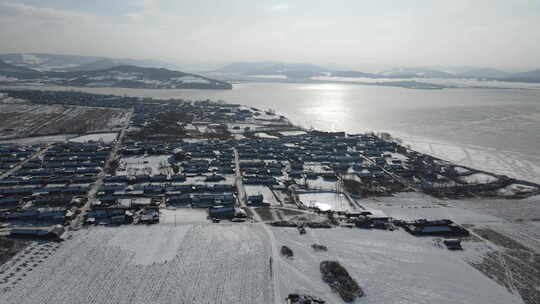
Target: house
[[443, 227], [224, 188], [178, 178], [120, 219], [179, 200], [295, 174], [149, 216], [214, 178], [221, 212], [53, 233], [209, 200], [255, 199], [10, 202]]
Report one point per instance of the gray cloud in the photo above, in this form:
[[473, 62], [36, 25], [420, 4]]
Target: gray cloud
[[349, 33]]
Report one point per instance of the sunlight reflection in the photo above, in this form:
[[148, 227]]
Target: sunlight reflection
[[324, 86]]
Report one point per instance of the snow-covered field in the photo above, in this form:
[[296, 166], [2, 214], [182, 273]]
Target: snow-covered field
[[325, 201], [415, 205], [391, 267], [180, 216], [19, 120], [105, 137], [188, 263], [186, 259], [39, 139]]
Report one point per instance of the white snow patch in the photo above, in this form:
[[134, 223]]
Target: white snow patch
[[105, 137], [190, 79], [292, 133], [478, 178], [265, 135], [325, 201], [147, 248]]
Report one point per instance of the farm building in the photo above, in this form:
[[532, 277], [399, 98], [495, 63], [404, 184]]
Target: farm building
[[443, 227]]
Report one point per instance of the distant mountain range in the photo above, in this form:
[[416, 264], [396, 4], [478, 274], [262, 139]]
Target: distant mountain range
[[294, 71], [291, 70], [415, 73], [101, 74], [483, 73], [530, 76], [62, 63], [103, 71]]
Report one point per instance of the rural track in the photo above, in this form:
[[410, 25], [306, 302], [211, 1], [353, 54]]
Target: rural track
[[77, 222], [19, 165], [274, 263], [242, 198]]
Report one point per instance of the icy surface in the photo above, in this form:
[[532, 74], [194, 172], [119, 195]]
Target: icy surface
[[513, 164], [325, 201]]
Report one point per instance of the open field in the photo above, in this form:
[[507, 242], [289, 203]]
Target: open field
[[189, 263], [26, 119], [391, 267], [510, 231]]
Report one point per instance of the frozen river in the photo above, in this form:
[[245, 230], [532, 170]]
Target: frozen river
[[489, 128]]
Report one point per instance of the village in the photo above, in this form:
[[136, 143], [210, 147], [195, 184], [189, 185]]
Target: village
[[212, 165]]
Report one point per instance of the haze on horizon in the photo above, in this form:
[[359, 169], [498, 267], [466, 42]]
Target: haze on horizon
[[342, 33]]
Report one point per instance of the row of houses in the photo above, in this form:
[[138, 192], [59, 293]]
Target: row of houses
[[13, 154], [211, 161], [47, 188]]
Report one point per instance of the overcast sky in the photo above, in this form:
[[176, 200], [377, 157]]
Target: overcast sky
[[354, 33]]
